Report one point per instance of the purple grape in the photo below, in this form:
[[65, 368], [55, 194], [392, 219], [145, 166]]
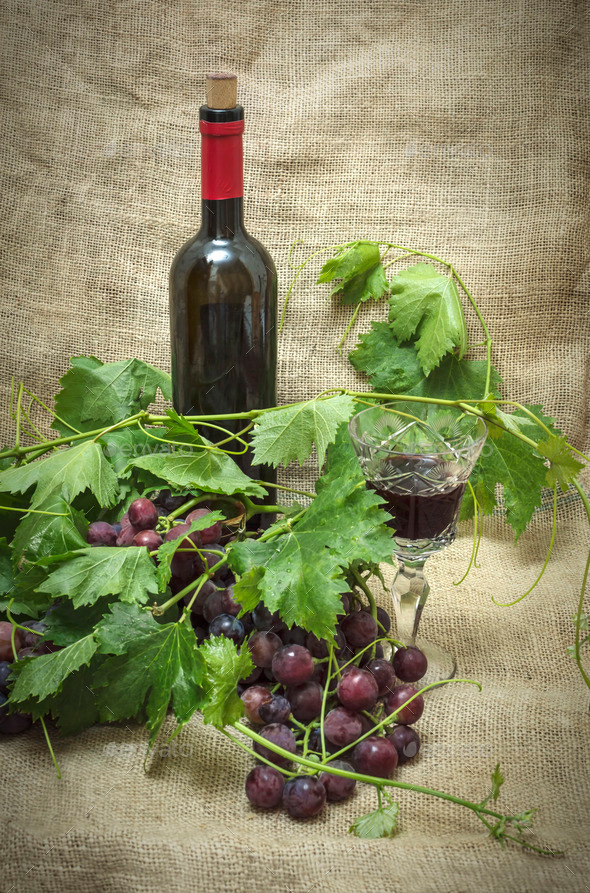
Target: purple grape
[[304, 797], [148, 538], [375, 756], [366, 656], [410, 664], [100, 533], [14, 723], [338, 787], [342, 727], [252, 699], [230, 605], [200, 632], [264, 787], [4, 674], [383, 673], [406, 741], [358, 690], [117, 527], [185, 565], [278, 709], [228, 626], [6, 640], [213, 605], [315, 743], [292, 665], [211, 558], [254, 676], [294, 636], [207, 589], [280, 735], [208, 534], [30, 639], [383, 618], [263, 647], [317, 647], [143, 514], [306, 700], [127, 535], [264, 620], [360, 629], [398, 697]]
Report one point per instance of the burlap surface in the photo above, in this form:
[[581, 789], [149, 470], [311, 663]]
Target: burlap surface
[[456, 127]]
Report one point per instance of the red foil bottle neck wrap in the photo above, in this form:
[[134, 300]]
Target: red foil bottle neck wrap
[[222, 174]]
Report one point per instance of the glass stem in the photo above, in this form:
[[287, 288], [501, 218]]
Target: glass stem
[[410, 591]]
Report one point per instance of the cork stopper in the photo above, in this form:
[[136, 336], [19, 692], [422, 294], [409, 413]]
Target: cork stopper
[[222, 91]]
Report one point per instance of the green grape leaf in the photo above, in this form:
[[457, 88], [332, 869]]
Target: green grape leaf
[[395, 368], [167, 550], [380, 823], [564, 468], [67, 472], [95, 394], [497, 782], [122, 625], [224, 667], [66, 623], [206, 470], [301, 573], [156, 669], [7, 578], [290, 433], [103, 570], [21, 589], [38, 677], [425, 302], [62, 530], [508, 461], [361, 273]]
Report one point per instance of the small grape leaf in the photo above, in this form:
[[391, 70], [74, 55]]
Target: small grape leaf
[[564, 468], [38, 535], [103, 570], [508, 461], [380, 823], [95, 394], [360, 269], [155, 669], [301, 573], [224, 667], [290, 433], [38, 677], [206, 470], [425, 302], [67, 472], [179, 429], [497, 782], [395, 368], [168, 549]]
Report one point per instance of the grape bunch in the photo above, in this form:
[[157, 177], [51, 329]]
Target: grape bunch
[[285, 697]]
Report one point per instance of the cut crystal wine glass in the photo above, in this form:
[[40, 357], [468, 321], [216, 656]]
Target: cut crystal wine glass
[[418, 457]]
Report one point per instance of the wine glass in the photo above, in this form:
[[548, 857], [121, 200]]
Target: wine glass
[[418, 457]]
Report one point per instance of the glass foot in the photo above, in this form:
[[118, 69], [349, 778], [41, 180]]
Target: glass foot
[[442, 666]]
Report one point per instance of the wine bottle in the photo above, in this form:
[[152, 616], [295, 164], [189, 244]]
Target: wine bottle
[[223, 287]]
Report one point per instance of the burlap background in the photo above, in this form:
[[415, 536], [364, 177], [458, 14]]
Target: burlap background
[[457, 127]]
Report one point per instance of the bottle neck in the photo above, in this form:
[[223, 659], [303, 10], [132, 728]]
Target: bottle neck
[[222, 218], [222, 185]]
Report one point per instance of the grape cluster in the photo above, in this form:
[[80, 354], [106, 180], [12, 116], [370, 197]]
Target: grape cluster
[[283, 700]]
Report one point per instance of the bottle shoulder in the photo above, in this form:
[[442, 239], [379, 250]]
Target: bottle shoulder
[[203, 251]]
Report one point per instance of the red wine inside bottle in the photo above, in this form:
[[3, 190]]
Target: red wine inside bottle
[[223, 288]]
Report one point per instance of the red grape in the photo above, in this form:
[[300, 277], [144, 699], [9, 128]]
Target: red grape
[[127, 535], [304, 797], [264, 787], [143, 514], [306, 700], [282, 736], [207, 589], [357, 690], [360, 629], [5, 641], [252, 699], [342, 727], [384, 675], [148, 538], [398, 697], [338, 787], [375, 756], [406, 741], [208, 534], [213, 605], [263, 646], [292, 665], [228, 626], [410, 664], [278, 709], [100, 533]]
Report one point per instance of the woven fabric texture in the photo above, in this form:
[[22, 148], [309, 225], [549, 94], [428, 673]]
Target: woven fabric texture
[[455, 127]]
